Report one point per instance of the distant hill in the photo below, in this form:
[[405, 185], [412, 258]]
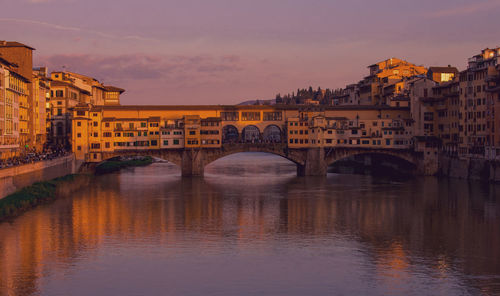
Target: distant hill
[[258, 102]]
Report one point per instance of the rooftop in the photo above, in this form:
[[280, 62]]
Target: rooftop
[[4, 43]]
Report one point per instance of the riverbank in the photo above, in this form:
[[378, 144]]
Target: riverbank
[[15, 178], [37, 194], [118, 163], [469, 169]]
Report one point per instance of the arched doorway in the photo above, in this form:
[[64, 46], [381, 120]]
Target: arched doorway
[[230, 134], [272, 134], [250, 134]]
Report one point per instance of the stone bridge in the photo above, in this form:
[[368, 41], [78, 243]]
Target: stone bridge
[[309, 161]]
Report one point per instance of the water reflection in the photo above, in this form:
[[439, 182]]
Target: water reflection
[[255, 228]]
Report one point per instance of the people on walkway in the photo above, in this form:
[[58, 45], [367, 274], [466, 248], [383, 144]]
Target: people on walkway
[[33, 156]]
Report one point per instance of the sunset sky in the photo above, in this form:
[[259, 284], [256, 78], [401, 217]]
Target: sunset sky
[[228, 51]]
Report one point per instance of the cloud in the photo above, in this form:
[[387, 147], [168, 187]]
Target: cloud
[[466, 9], [75, 29], [169, 68]]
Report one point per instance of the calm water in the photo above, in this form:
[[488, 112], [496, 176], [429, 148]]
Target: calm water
[[250, 227]]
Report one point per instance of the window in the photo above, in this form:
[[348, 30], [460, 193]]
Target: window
[[143, 124], [96, 135], [106, 135], [446, 77], [79, 135], [59, 93], [95, 145], [176, 142], [192, 133], [80, 113], [272, 116], [107, 145], [250, 116], [229, 116], [131, 125], [106, 124], [78, 123], [79, 148], [428, 116], [59, 112], [154, 142], [165, 142], [95, 123]]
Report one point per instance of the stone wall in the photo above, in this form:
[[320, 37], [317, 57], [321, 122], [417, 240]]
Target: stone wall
[[469, 168], [15, 178]]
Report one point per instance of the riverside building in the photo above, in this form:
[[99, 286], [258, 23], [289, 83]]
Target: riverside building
[[68, 89], [477, 121]]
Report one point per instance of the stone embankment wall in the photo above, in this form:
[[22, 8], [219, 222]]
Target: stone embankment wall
[[469, 168], [15, 178]]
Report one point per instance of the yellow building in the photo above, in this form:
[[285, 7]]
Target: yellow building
[[41, 93], [67, 89], [14, 92]]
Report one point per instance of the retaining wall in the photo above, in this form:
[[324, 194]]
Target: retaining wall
[[469, 168], [15, 178]]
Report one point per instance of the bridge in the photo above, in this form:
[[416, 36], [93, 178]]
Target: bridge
[[309, 161], [194, 136]]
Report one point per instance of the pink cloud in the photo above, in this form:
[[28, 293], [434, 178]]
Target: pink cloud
[[467, 9], [142, 66]]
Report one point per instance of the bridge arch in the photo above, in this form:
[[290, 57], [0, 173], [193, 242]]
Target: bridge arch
[[172, 156], [250, 134], [230, 134], [402, 157], [272, 134]]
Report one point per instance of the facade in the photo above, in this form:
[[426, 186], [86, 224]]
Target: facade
[[41, 93], [493, 112], [476, 121], [68, 89], [442, 74], [21, 56], [14, 119]]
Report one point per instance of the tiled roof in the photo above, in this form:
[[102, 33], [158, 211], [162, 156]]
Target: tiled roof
[[13, 44]]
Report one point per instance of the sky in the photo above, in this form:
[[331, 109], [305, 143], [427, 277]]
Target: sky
[[229, 51]]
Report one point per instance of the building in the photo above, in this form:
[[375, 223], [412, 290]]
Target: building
[[41, 95], [476, 120], [442, 74], [21, 55], [68, 89], [383, 85], [493, 112]]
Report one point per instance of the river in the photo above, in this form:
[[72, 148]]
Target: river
[[251, 227]]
